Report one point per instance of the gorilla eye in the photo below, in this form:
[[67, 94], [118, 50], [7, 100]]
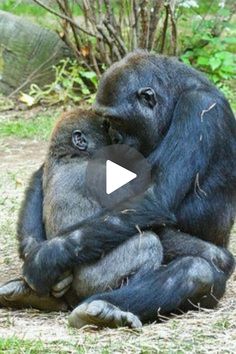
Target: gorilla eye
[[147, 96], [79, 140]]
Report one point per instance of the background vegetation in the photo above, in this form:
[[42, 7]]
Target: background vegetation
[[201, 33]]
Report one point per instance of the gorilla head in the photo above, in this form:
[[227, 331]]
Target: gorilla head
[[138, 94], [78, 133]]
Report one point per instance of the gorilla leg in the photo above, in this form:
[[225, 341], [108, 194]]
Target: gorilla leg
[[186, 282], [140, 251], [150, 293], [178, 244]]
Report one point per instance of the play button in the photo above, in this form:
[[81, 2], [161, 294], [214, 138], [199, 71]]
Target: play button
[[116, 174]]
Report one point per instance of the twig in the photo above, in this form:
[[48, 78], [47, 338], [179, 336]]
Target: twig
[[67, 12], [64, 17], [99, 7], [109, 41], [110, 16], [173, 31], [164, 29], [207, 110], [94, 61], [144, 24], [119, 41], [154, 19], [135, 25], [94, 10], [89, 15], [197, 187]]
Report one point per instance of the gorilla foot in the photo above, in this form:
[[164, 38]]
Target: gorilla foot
[[17, 294], [102, 314], [13, 290]]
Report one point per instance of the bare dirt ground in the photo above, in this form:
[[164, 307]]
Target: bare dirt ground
[[196, 332]]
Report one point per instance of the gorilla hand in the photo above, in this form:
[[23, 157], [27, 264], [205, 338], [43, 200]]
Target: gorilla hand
[[63, 285], [48, 267], [46, 264]]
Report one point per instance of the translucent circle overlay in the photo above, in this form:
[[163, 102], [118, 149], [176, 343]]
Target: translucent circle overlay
[[128, 158]]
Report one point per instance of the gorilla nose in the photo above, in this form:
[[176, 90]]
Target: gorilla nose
[[99, 109], [105, 111]]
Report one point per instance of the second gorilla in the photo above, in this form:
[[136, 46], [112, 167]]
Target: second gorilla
[[76, 137]]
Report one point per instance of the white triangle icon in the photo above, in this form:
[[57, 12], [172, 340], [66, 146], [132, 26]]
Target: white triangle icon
[[117, 176]]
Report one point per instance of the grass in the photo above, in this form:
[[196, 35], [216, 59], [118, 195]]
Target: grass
[[38, 128], [14, 345]]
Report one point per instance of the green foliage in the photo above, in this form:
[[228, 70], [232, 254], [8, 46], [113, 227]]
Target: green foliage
[[209, 45], [19, 7], [72, 83], [206, 41]]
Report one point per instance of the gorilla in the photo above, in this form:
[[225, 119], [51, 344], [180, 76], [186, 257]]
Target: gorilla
[[186, 129], [75, 139]]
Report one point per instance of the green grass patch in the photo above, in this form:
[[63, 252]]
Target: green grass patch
[[38, 128], [14, 345]]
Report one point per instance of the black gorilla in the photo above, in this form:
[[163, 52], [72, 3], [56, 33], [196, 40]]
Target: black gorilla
[[186, 129]]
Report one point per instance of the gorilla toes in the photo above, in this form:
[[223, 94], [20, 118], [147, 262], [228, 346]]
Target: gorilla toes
[[102, 314], [17, 294], [13, 290], [222, 259]]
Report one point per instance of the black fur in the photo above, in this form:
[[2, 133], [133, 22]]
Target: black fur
[[30, 228], [189, 136]]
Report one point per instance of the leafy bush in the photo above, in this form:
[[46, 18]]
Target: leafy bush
[[72, 83], [206, 40], [209, 44]]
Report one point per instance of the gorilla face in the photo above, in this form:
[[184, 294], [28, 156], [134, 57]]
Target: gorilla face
[[79, 133], [133, 95]]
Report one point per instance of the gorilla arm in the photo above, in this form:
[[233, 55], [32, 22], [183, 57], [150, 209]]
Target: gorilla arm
[[30, 229]]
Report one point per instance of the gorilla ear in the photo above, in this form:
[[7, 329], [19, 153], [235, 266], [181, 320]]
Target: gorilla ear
[[147, 96], [79, 140]]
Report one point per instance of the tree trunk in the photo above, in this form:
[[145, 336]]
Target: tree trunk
[[27, 53]]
